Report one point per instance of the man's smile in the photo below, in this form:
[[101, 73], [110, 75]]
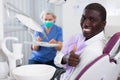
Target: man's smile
[[86, 29]]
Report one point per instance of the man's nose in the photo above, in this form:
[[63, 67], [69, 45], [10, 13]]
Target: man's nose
[[86, 22]]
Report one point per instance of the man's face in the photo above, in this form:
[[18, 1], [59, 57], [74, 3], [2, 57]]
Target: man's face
[[91, 23]]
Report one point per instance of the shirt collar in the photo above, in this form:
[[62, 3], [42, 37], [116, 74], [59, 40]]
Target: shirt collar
[[99, 36]]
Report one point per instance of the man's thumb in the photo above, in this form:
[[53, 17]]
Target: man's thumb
[[74, 48]]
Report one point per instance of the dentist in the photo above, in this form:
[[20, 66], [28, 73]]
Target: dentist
[[92, 22], [46, 55]]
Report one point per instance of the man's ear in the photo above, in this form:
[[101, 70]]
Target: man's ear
[[103, 24]]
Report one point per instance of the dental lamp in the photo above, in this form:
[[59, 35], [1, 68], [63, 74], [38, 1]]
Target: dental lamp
[[10, 7], [57, 2], [30, 23], [25, 20]]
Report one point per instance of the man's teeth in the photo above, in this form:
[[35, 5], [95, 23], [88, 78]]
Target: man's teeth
[[86, 29]]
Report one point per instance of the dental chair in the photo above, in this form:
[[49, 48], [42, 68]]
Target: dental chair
[[107, 65]]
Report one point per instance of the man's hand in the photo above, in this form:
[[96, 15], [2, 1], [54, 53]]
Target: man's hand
[[73, 59]]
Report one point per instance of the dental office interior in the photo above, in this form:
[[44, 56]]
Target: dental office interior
[[14, 34]]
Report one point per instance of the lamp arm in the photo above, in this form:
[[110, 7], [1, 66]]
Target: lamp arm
[[13, 8]]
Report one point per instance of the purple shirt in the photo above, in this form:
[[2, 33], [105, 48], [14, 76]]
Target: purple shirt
[[78, 41]]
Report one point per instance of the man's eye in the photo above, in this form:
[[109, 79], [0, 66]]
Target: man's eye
[[92, 19], [83, 18]]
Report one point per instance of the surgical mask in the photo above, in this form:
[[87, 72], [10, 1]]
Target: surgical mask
[[48, 24]]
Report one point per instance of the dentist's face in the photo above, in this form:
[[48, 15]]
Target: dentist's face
[[48, 17], [91, 23]]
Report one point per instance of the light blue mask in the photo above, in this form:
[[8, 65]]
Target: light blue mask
[[48, 24]]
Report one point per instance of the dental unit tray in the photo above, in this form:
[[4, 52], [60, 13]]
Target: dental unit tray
[[45, 44]]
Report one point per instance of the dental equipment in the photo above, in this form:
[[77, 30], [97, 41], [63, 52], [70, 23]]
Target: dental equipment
[[30, 23], [10, 7], [57, 2], [25, 19], [34, 72], [12, 56]]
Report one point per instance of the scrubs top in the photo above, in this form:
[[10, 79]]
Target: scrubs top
[[46, 54]]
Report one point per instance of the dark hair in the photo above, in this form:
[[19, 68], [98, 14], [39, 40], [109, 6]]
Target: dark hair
[[98, 7]]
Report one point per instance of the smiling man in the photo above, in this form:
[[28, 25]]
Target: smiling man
[[93, 22]]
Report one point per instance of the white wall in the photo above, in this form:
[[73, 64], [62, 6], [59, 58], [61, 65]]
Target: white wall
[[58, 13], [71, 19], [113, 18], [113, 25]]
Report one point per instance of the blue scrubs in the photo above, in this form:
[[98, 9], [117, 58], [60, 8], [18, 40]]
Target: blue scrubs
[[47, 54]]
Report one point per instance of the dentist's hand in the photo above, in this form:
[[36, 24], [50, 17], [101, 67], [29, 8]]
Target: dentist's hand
[[34, 47], [39, 39], [53, 41]]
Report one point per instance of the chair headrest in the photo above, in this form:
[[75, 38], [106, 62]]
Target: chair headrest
[[113, 45]]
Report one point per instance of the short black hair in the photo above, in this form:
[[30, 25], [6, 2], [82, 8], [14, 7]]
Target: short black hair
[[98, 7]]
